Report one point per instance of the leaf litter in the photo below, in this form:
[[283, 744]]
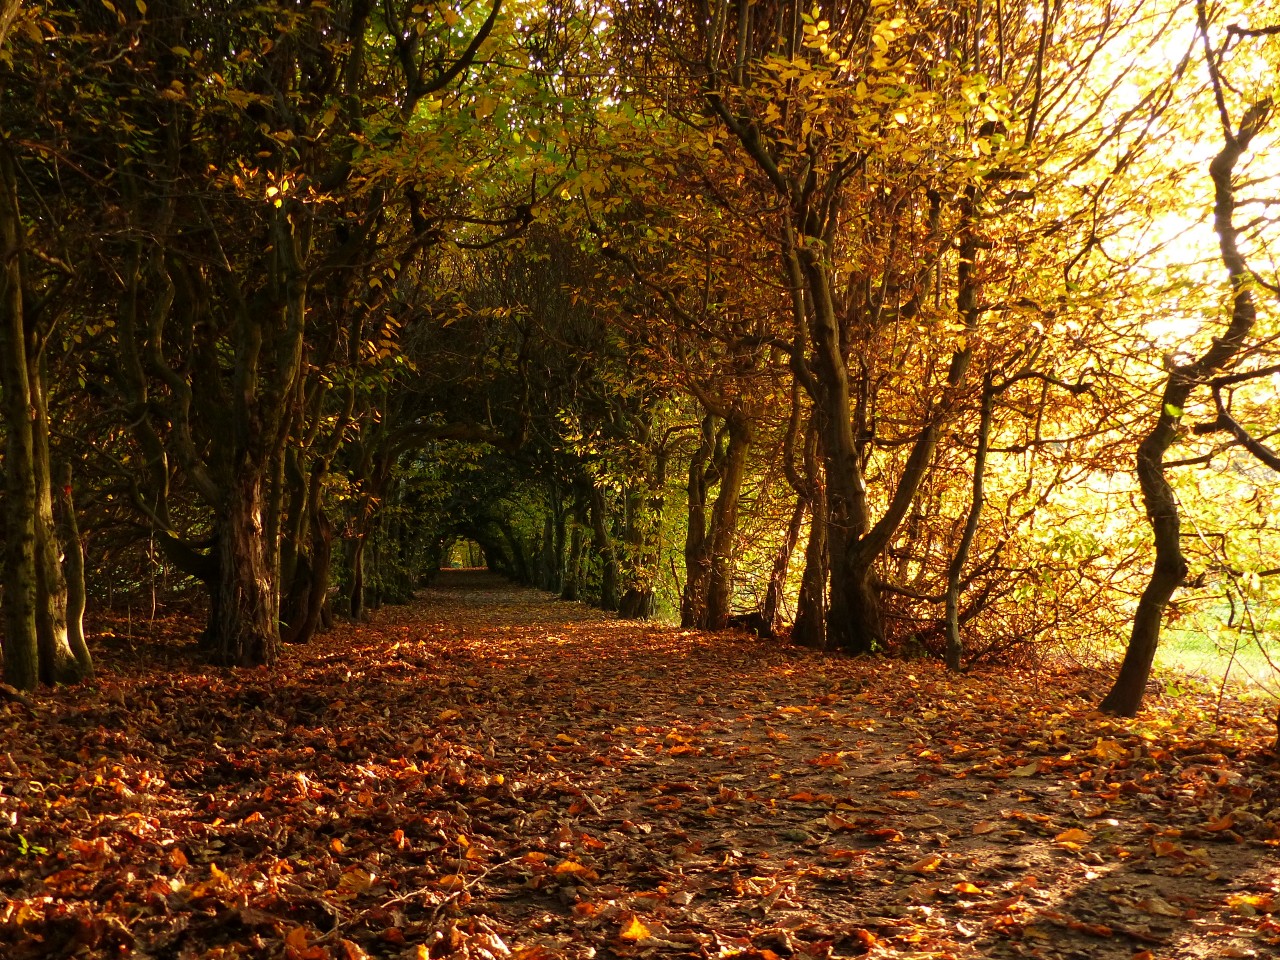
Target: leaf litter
[[489, 773]]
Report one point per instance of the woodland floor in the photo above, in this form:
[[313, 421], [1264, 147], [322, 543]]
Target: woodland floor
[[489, 773]]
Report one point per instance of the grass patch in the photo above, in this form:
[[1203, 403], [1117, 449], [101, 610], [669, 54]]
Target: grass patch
[[1223, 655]]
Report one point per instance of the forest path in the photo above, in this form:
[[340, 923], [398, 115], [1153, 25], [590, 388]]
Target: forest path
[[490, 772]]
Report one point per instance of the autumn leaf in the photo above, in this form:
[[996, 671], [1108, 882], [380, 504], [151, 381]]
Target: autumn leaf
[[1159, 907], [1109, 750], [356, 880], [351, 950], [925, 822], [1251, 904], [925, 864], [574, 868], [633, 929], [1224, 822], [1073, 839], [299, 947], [837, 821]]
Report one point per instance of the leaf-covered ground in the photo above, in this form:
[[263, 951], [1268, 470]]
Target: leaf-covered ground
[[492, 774]]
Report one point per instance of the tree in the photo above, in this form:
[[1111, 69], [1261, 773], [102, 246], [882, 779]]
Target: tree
[[37, 645], [1228, 347]]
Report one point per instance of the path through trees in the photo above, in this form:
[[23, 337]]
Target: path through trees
[[492, 773]]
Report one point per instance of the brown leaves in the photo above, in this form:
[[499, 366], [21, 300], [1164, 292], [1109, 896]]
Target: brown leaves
[[401, 791]]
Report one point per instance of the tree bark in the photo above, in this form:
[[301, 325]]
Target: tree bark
[[73, 545], [955, 644], [58, 663], [810, 627], [772, 607], [697, 560], [604, 549], [21, 651], [573, 564], [247, 627], [724, 525], [355, 566]]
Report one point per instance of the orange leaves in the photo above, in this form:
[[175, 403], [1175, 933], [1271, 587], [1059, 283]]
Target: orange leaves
[[1224, 822], [838, 821], [633, 929], [576, 869], [354, 882], [685, 787], [1108, 750], [828, 760], [1250, 904], [927, 864], [1073, 839], [298, 946]]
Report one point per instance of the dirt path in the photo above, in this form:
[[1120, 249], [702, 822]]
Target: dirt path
[[491, 773]]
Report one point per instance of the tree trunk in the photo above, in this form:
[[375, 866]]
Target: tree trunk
[[547, 561], [73, 545], [355, 566], [955, 645], [58, 663], [853, 618], [246, 630], [309, 587], [21, 652], [573, 565], [1170, 569], [810, 628], [772, 607], [724, 526], [697, 558], [604, 549], [645, 504], [1125, 696]]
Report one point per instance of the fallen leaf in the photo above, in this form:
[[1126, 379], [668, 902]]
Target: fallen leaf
[[356, 881], [1074, 836], [351, 950], [1250, 904], [925, 822], [633, 929], [576, 869], [1159, 907], [925, 864]]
